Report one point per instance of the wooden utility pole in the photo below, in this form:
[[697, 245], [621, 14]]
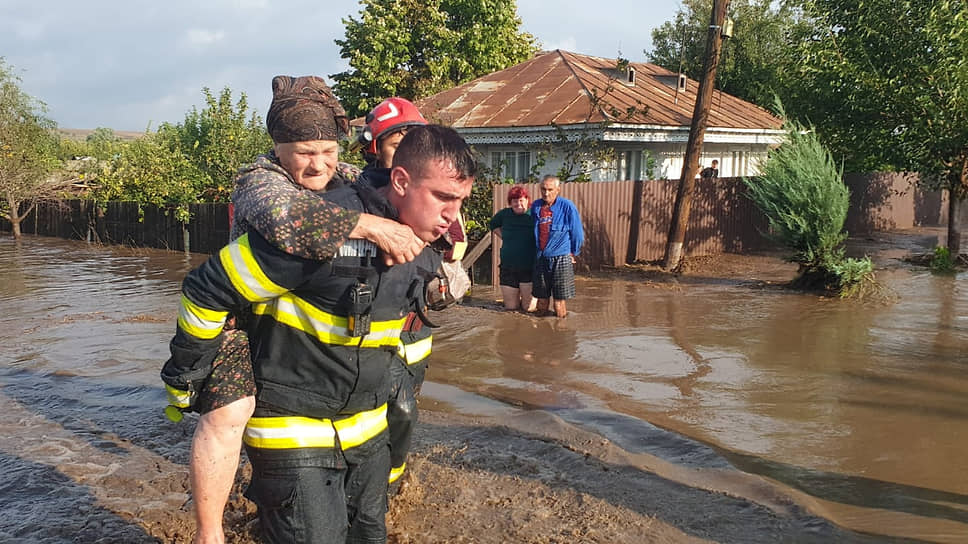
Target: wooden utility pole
[[690, 166]]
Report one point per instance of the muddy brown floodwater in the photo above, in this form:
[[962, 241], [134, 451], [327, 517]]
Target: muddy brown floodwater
[[717, 406]]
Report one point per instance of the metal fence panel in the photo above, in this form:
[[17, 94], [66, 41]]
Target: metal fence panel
[[625, 221]]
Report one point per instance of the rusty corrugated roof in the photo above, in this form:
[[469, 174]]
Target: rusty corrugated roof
[[559, 87]]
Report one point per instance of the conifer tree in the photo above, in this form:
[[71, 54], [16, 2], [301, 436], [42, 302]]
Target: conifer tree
[[801, 192]]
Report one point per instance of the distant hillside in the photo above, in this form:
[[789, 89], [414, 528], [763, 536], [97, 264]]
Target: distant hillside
[[81, 134]]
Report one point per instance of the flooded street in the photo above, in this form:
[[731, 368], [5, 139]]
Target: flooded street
[[857, 413]]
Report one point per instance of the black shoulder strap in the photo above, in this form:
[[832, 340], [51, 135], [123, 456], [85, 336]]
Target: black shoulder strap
[[374, 202]]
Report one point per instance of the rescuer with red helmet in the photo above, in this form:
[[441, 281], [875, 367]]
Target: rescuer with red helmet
[[385, 126]]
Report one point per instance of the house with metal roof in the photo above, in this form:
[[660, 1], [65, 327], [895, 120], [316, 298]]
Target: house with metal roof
[[533, 117]]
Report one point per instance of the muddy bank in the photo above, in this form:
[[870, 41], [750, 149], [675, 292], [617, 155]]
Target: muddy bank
[[535, 479]]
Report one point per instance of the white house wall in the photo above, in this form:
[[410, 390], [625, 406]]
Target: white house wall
[[734, 159]]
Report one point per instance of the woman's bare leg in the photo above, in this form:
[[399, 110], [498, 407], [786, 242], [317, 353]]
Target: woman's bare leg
[[511, 295], [213, 464], [528, 303]]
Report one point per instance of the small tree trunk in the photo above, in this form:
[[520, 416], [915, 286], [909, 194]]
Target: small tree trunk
[[954, 223], [15, 217]]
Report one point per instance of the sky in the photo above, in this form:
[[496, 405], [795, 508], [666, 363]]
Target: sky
[[130, 65]]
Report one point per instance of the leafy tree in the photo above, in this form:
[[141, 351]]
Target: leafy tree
[[755, 61], [886, 83], [802, 193], [414, 48], [679, 45], [28, 151], [582, 153], [192, 161], [488, 37], [218, 140], [102, 143]]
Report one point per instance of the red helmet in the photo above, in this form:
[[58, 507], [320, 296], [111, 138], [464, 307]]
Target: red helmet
[[387, 117]]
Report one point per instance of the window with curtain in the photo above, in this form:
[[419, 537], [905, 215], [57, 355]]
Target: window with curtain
[[512, 164], [633, 165]]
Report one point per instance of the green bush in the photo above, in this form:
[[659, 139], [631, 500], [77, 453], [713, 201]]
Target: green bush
[[802, 193], [477, 209], [853, 277], [941, 262], [150, 171]]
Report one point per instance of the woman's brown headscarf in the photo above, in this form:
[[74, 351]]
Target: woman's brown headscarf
[[304, 108]]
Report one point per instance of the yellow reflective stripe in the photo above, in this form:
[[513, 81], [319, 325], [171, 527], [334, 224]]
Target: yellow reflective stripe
[[326, 327], [417, 351], [244, 272], [396, 472], [307, 432], [457, 253], [177, 397], [200, 322], [361, 427]]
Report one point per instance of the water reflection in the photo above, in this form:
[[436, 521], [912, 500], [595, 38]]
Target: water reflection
[[874, 395]]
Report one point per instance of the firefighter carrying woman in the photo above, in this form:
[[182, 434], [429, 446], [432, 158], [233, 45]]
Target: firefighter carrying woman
[[324, 330]]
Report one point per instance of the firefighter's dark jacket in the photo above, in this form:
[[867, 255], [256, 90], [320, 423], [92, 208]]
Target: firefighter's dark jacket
[[305, 360]]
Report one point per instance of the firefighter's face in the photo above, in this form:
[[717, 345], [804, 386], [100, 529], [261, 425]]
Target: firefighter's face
[[429, 201], [387, 147], [311, 163]]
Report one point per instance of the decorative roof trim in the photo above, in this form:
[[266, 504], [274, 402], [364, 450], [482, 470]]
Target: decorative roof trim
[[618, 133], [525, 135], [666, 134]]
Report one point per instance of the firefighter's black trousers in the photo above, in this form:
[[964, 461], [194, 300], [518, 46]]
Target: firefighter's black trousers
[[301, 500]]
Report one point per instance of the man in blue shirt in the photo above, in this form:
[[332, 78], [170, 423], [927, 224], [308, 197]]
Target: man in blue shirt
[[559, 233]]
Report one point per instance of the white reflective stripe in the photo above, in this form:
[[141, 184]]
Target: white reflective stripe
[[417, 351], [244, 272], [177, 397], [326, 327], [200, 322], [390, 114], [358, 248]]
